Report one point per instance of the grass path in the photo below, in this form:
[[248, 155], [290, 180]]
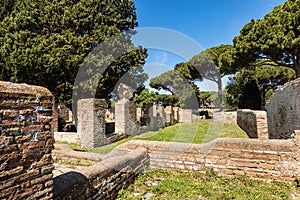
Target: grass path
[[198, 132]]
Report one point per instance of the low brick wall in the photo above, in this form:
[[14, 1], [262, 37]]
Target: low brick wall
[[26, 142], [261, 159], [254, 123], [104, 180]]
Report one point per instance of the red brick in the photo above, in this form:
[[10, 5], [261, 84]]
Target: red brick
[[6, 140], [44, 119], [9, 191], [10, 113], [33, 144], [266, 166], [41, 179], [32, 128], [26, 112], [22, 138], [28, 175]]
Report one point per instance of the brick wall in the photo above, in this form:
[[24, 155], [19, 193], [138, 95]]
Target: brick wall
[[26, 142], [104, 180], [254, 123], [283, 111], [262, 159]]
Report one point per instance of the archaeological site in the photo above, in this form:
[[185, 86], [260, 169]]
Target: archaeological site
[[28, 127]]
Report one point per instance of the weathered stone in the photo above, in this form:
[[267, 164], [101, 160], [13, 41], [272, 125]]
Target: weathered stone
[[283, 111]]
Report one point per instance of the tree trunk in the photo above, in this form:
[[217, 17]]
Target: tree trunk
[[297, 68], [297, 62]]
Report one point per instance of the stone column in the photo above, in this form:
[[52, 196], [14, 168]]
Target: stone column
[[91, 122]]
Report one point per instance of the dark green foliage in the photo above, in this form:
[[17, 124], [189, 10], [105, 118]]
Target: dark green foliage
[[188, 71], [250, 86], [275, 38], [45, 42], [185, 91], [145, 96], [250, 97]]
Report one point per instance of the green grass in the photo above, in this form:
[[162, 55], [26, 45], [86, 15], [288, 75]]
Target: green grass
[[108, 148], [198, 132], [163, 184]]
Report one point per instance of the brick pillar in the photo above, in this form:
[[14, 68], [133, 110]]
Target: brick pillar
[[153, 118], [186, 116], [262, 125], [91, 122], [169, 115], [122, 116]]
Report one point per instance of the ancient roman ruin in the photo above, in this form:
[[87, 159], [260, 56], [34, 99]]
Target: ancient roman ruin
[[28, 121]]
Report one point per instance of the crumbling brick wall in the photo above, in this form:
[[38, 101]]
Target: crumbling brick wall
[[26, 142], [283, 111]]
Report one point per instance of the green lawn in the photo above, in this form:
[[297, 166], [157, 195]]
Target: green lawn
[[162, 184], [198, 132]]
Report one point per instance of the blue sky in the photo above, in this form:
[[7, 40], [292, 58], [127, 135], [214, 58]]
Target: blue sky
[[210, 23]]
